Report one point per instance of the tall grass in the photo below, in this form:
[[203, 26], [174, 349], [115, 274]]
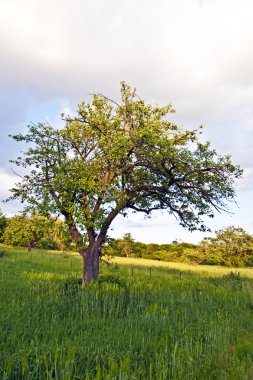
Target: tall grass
[[135, 323]]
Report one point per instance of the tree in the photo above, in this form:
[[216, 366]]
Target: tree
[[2, 224], [115, 157], [126, 245], [35, 231], [230, 246]]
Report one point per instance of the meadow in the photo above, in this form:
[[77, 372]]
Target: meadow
[[141, 320]]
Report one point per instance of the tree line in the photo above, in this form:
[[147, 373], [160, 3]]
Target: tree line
[[230, 246]]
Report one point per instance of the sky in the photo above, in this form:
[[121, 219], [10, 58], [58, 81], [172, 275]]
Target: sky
[[195, 54]]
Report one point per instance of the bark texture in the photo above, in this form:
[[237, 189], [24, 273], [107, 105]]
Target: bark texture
[[90, 263]]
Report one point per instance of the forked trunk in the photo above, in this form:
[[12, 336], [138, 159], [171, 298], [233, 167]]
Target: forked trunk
[[91, 264]]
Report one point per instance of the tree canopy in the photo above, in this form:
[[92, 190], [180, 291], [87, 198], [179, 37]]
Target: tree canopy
[[119, 156], [2, 224], [36, 231], [231, 246]]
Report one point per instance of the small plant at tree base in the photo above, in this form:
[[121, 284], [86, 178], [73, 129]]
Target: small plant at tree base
[[116, 157], [2, 254], [71, 285]]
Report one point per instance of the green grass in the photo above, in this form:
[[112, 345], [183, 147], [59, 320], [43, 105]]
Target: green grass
[[208, 270], [167, 322]]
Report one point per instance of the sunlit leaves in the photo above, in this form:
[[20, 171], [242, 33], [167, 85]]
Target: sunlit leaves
[[120, 155]]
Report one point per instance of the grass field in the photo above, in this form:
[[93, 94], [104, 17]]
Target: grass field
[[143, 320], [207, 270]]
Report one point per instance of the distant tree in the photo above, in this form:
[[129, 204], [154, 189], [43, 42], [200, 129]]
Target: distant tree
[[2, 224], [230, 246], [152, 251], [119, 156], [126, 245], [139, 249], [35, 231], [61, 236]]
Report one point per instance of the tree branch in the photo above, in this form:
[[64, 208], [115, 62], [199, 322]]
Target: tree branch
[[103, 231]]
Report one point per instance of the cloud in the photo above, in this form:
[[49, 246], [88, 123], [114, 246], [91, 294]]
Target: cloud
[[246, 184], [180, 47], [195, 54], [7, 181]]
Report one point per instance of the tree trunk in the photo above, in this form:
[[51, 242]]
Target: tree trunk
[[91, 264], [30, 246]]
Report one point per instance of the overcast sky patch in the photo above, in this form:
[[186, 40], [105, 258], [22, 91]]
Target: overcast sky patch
[[196, 54]]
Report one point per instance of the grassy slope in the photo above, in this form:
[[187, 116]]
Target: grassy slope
[[209, 270], [167, 323]]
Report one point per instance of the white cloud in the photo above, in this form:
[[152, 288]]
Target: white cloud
[[196, 54], [172, 48], [7, 181], [246, 184]]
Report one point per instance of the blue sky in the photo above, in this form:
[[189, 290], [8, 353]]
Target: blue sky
[[198, 55]]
